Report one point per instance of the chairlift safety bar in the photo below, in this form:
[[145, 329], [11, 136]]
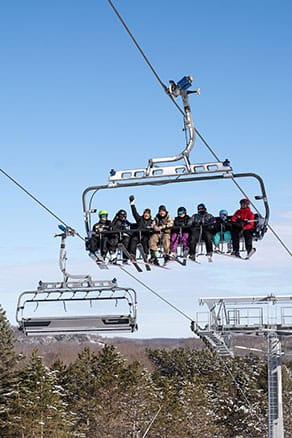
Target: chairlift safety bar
[[184, 177]]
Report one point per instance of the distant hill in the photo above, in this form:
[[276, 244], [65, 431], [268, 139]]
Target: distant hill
[[67, 347]]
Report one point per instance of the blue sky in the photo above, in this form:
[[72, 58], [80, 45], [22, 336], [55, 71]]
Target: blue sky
[[77, 99]]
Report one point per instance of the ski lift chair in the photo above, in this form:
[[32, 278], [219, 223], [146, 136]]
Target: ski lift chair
[[31, 302]]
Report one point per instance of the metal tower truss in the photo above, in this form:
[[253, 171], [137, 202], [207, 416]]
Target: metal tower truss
[[215, 341], [269, 316]]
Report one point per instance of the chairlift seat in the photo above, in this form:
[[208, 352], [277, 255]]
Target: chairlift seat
[[41, 326]]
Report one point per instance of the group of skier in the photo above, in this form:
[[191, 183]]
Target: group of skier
[[148, 233]]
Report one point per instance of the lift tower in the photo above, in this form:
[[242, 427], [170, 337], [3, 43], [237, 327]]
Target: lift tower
[[269, 316]]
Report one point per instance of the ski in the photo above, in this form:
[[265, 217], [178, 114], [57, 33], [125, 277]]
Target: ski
[[99, 261], [250, 254], [144, 256], [229, 255], [185, 256], [233, 256], [237, 257], [162, 266], [178, 259], [131, 258], [101, 264], [194, 261], [158, 265], [167, 259], [182, 262]]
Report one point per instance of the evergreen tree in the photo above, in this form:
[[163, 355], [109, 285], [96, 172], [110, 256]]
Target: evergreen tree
[[186, 410], [232, 396], [110, 397], [8, 361], [38, 409]]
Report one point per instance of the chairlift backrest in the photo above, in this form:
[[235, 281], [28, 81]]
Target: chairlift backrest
[[77, 325]]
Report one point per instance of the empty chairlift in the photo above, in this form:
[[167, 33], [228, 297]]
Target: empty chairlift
[[55, 310]]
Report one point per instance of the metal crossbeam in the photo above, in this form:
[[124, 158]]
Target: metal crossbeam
[[179, 169]]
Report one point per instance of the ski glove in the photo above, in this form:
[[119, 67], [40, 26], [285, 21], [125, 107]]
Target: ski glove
[[132, 199]]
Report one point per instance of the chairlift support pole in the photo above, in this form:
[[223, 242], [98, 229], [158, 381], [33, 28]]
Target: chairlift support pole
[[250, 316], [276, 426], [175, 90]]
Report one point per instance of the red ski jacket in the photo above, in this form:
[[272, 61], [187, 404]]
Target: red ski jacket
[[244, 214]]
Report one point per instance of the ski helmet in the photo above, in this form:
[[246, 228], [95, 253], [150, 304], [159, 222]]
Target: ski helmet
[[102, 213], [201, 207], [122, 213], [223, 213], [181, 210]]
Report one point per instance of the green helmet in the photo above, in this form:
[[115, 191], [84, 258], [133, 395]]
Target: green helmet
[[102, 213]]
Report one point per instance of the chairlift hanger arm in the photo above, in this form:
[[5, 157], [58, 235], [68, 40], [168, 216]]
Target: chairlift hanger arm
[[68, 231], [175, 90]]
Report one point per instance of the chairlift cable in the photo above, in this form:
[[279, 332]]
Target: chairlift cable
[[238, 386], [165, 88], [157, 294], [137, 45], [38, 201], [280, 240], [207, 145], [152, 421], [183, 113]]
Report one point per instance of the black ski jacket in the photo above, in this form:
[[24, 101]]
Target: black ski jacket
[[141, 222], [181, 221]]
